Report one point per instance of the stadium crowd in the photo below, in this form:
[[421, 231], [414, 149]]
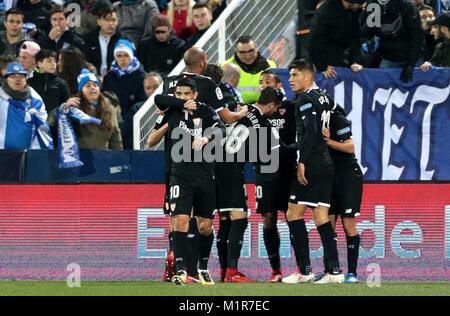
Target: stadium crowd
[[121, 42]]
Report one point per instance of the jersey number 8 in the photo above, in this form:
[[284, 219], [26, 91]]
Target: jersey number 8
[[238, 137]]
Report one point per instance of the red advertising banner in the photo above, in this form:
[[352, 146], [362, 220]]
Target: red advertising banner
[[118, 232]]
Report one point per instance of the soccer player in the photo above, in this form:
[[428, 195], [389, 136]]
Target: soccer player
[[272, 190], [190, 181], [231, 184], [196, 61], [313, 185], [347, 186]]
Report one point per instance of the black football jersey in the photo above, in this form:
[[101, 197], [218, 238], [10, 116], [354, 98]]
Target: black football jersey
[[208, 92], [312, 114], [340, 131], [251, 136]]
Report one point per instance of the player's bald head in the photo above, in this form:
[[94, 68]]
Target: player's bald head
[[194, 57]]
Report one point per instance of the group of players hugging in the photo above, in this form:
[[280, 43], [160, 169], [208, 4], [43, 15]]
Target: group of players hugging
[[312, 165]]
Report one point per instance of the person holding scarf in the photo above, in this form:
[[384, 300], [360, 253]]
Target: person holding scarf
[[23, 118], [125, 79], [86, 121]]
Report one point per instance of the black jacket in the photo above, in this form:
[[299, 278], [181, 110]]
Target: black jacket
[[53, 89], [191, 41], [130, 90], [404, 45], [161, 57], [335, 38], [68, 39], [38, 14], [92, 49]]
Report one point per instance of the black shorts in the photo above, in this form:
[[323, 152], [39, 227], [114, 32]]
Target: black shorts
[[192, 192], [268, 193], [287, 175], [166, 208], [347, 192], [318, 191], [230, 187]]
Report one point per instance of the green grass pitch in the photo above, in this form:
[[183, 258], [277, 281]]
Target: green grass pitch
[[154, 288]]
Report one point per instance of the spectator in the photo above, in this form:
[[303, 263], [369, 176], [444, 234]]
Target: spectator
[[334, 40], [13, 36], [228, 85], [179, 13], [70, 63], [53, 89], [135, 18], [60, 35], [251, 65], [23, 117], [101, 42], [152, 81], [37, 12], [217, 7], [164, 50], [126, 79], [89, 14], [202, 16], [4, 61], [427, 16], [92, 102], [441, 56], [400, 36], [27, 56]]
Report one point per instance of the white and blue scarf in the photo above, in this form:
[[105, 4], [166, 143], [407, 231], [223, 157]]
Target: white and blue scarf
[[132, 67], [69, 153]]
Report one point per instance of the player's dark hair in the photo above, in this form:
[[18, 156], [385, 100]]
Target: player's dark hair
[[271, 95], [303, 64], [187, 82], [214, 72], [271, 73]]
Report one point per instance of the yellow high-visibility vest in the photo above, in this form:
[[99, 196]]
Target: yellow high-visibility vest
[[249, 83]]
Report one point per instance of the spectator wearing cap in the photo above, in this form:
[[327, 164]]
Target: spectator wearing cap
[[441, 56], [92, 102], [126, 80], [162, 52], [23, 117], [99, 49], [12, 37], [334, 40], [27, 55], [135, 18], [60, 35]]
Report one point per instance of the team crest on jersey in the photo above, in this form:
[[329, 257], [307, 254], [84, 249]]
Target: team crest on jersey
[[282, 111], [173, 206], [219, 93]]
